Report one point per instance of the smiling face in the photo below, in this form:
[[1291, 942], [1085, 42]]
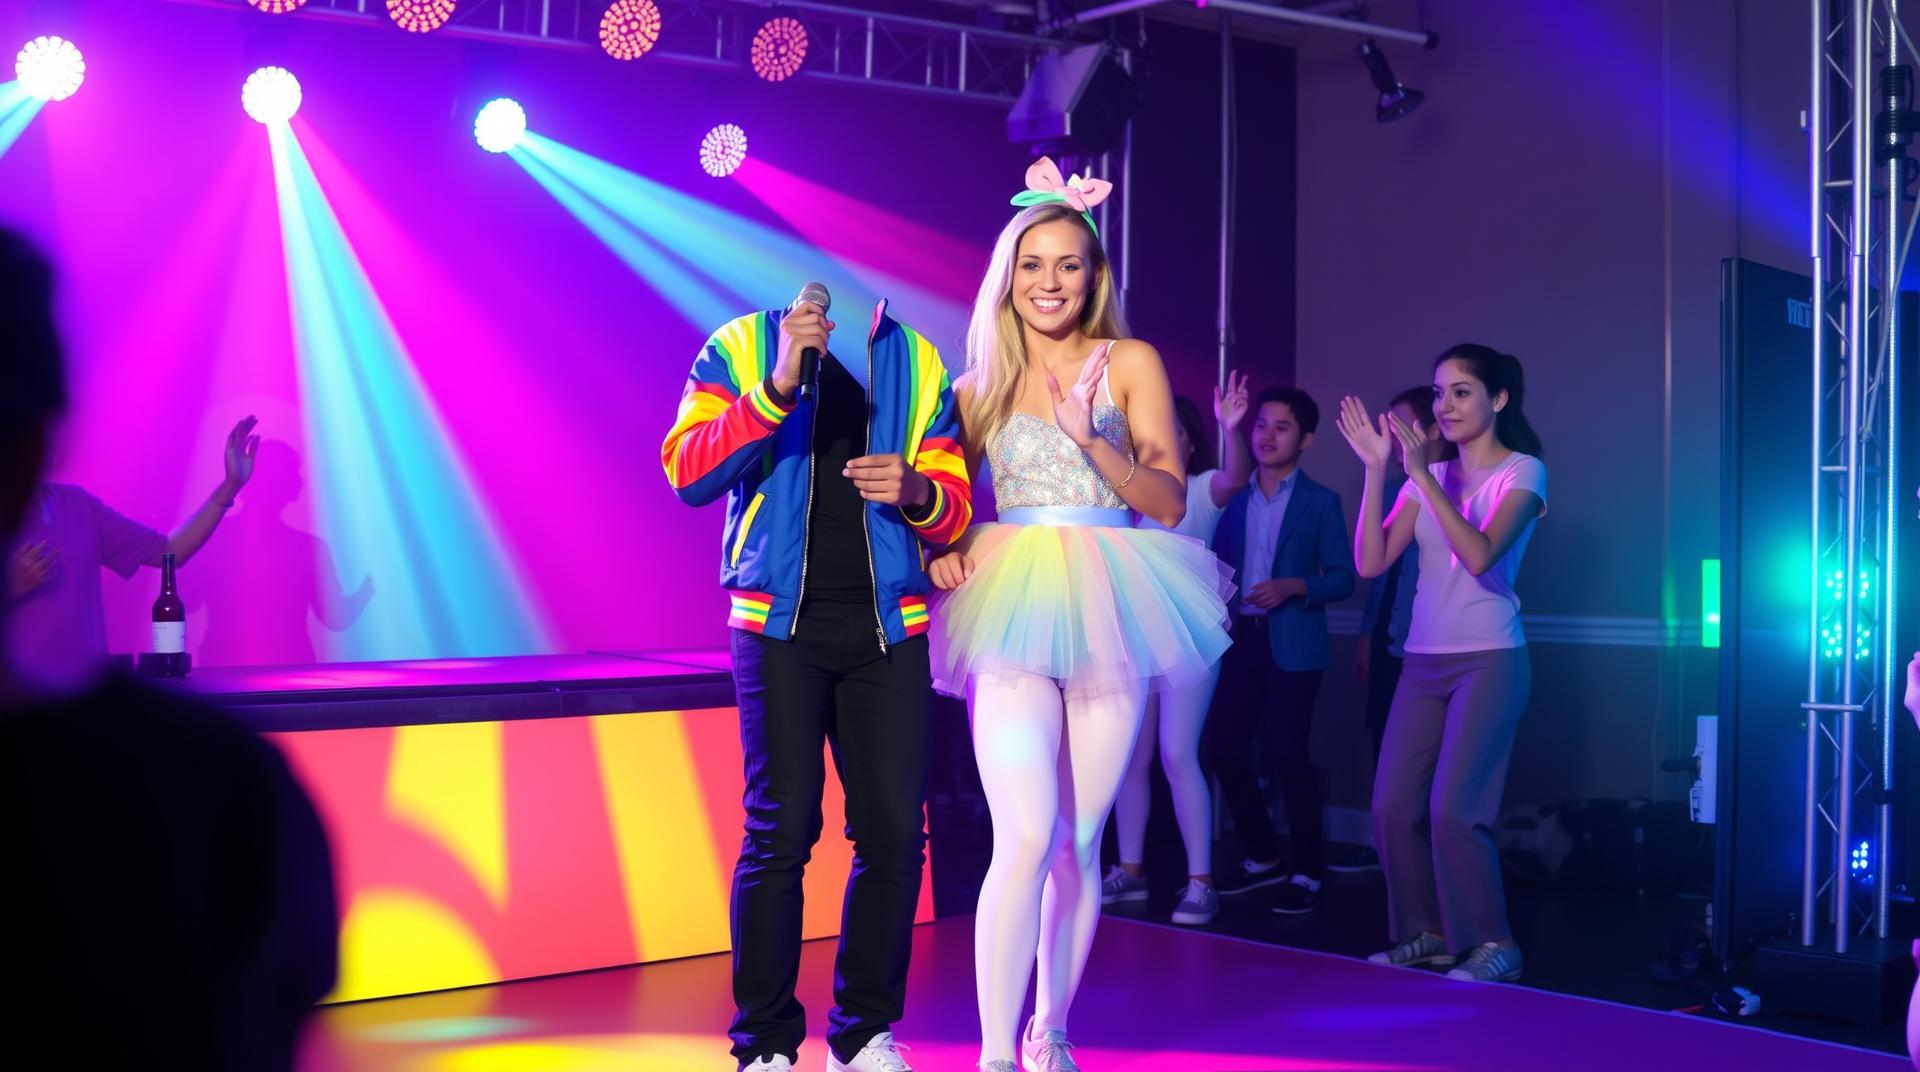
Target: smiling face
[[1461, 405], [1053, 277], [1277, 441]]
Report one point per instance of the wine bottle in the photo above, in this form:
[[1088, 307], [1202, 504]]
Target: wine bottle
[[169, 624]]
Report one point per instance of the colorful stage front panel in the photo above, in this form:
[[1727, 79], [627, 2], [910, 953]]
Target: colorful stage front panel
[[471, 853]]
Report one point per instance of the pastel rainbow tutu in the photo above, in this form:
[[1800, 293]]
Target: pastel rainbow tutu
[[1078, 595]]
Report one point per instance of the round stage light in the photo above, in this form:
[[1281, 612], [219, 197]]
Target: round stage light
[[271, 95], [420, 16], [50, 68], [499, 125], [779, 48], [278, 7], [630, 28], [723, 149]]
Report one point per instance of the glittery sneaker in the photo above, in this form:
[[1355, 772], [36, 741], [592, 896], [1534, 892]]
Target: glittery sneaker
[[1048, 1053]]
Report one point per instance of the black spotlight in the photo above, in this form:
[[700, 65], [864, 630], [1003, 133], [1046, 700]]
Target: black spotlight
[[1396, 100]]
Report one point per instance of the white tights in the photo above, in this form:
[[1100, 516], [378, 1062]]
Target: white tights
[[1050, 766], [1176, 718]]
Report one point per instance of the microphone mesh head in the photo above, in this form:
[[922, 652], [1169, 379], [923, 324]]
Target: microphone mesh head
[[817, 294]]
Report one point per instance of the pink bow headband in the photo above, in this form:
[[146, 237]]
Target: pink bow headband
[[1045, 186]]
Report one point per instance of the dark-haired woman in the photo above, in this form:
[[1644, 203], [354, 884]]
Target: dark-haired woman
[[1466, 679]]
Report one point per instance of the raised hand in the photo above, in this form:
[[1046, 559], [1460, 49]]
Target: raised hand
[[1373, 445], [1073, 407], [242, 446], [1230, 406], [805, 327], [1413, 445]]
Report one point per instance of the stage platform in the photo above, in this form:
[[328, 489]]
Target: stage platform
[[334, 696], [1156, 999], [512, 818]]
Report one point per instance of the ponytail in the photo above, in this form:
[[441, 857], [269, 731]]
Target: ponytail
[[1500, 372]]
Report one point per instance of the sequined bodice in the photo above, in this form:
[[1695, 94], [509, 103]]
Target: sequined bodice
[[1037, 464]]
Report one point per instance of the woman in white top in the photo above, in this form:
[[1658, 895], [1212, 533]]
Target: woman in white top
[[1450, 734], [1175, 718]]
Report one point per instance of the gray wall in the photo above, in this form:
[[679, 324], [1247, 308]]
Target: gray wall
[[1566, 194]]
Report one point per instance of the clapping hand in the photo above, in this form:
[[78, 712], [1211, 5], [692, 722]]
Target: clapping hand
[[1373, 444], [1073, 407]]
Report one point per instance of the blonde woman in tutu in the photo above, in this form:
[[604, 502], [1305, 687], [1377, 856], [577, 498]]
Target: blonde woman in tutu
[[1062, 618]]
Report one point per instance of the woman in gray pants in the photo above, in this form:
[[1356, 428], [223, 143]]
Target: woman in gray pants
[[1450, 733]]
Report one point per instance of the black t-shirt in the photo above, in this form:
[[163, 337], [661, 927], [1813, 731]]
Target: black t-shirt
[[837, 567], [164, 871]]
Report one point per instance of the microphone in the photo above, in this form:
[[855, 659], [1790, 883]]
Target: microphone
[[810, 357]]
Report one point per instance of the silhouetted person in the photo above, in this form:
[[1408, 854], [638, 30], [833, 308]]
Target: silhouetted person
[[168, 896], [263, 576]]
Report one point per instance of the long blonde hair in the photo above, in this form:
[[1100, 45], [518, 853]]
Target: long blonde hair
[[996, 345]]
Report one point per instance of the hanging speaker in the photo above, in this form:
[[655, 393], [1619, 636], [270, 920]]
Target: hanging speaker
[[1076, 102]]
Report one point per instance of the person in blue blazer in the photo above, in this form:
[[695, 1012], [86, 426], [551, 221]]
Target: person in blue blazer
[[1286, 536]]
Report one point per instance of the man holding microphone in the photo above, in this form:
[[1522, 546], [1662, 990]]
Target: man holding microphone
[[835, 485]]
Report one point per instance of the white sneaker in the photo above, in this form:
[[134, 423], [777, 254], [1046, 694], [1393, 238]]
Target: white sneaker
[[1198, 905], [1492, 962], [1119, 886], [1419, 949], [763, 1063], [880, 1054]]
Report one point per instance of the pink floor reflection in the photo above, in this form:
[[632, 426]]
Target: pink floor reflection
[[1155, 1000]]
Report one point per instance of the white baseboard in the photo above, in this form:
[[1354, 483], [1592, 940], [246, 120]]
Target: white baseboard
[[1575, 629]]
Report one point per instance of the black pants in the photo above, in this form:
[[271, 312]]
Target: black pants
[[830, 685], [1383, 676], [1255, 696]]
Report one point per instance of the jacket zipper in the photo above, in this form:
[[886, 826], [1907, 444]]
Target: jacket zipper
[[873, 575], [806, 524]]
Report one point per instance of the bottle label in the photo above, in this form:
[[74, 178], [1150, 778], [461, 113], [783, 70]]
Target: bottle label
[[169, 638]]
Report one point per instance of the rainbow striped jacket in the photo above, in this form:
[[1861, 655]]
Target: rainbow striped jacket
[[733, 438]]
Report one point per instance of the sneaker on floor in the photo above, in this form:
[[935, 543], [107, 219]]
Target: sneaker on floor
[[1048, 1053], [1245, 876], [768, 1063], [1198, 905], [1348, 859], [1119, 886], [880, 1054], [1417, 950], [1492, 962], [998, 1066], [1298, 896]]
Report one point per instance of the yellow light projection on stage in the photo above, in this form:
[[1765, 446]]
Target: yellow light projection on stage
[[476, 852], [669, 913], [446, 780]]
